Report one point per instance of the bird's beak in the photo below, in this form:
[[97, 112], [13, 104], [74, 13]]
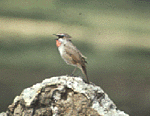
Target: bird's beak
[[55, 35]]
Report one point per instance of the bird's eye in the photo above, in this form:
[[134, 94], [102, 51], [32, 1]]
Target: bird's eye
[[60, 36]]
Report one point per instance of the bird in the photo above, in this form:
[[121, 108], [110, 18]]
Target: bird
[[70, 54]]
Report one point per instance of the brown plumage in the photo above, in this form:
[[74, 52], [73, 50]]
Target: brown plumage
[[70, 53]]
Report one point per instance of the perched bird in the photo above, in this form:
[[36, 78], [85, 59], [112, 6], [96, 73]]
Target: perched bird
[[70, 53]]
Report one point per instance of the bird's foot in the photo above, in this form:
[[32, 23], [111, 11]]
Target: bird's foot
[[72, 75]]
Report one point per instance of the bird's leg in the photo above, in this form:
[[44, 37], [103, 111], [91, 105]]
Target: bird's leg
[[73, 71]]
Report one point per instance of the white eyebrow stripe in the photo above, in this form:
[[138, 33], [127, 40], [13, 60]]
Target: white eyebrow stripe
[[60, 34]]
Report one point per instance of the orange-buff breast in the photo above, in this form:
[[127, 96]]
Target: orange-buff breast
[[58, 43]]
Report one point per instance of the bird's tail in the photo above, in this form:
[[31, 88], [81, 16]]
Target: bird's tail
[[85, 73]]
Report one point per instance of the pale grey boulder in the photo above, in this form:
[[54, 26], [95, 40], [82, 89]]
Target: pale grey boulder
[[63, 96]]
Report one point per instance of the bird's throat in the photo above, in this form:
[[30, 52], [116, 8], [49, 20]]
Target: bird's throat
[[58, 43]]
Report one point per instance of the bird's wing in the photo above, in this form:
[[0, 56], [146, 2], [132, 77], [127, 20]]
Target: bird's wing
[[75, 54]]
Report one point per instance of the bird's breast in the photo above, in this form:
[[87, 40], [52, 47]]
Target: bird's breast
[[61, 49], [58, 43]]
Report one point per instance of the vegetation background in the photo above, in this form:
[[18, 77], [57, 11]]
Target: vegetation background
[[114, 35]]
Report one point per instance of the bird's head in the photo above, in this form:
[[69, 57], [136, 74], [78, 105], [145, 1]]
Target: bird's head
[[63, 35], [62, 38]]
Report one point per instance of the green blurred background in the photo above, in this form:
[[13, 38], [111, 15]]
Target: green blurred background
[[114, 35]]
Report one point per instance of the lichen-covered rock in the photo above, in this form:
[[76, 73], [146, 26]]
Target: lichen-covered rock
[[63, 96]]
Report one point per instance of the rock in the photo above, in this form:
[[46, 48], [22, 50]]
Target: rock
[[63, 96]]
